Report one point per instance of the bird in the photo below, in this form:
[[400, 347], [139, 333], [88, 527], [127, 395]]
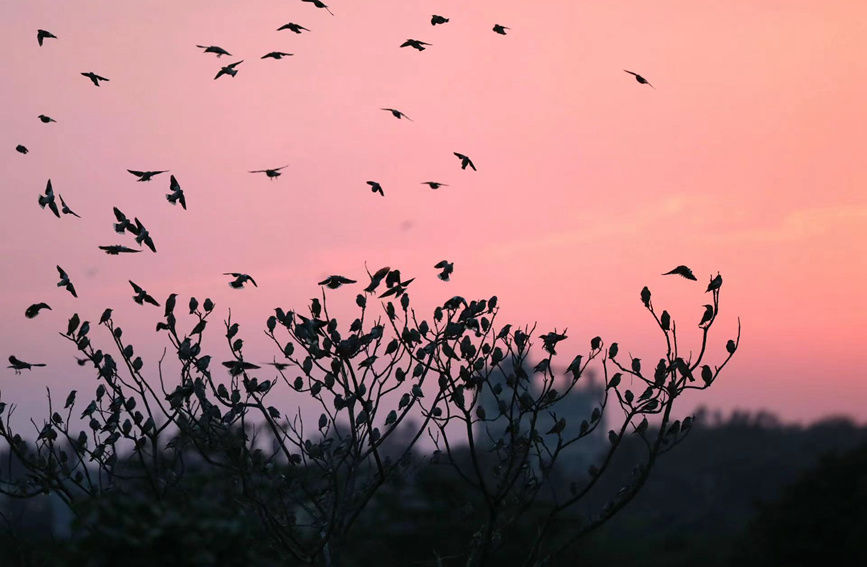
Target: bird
[[122, 223], [681, 271], [240, 279], [276, 55], [278, 365], [145, 175], [64, 282], [398, 288], [48, 199], [237, 367], [271, 173], [707, 316], [465, 161], [21, 149], [375, 187], [177, 194], [141, 296], [65, 209], [142, 236], [376, 278], [94, 77], [447, 269], [20, 365], [215, 49], [292, 27], [640, 79], [319, 4], [115, 249], [42, 35], [715, 283], [45, 119], [333, 282], [434, 20], [558, 427], [500, 29], [434, 184], [397, 113], [228, 69], [415, 44], [34, 309]]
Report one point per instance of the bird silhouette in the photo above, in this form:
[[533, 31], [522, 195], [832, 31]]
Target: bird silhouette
[[145, 175], [21, 149], [215, 49], [141, 296], [34, 309], [376, 278], [715, 283], [177, 194], [240, 279], [434, 184], [65, 209], [116, 249], [447, 269], [278, 365], [45, 119], [397, 113], [683, 271], [319, 4], [276, 55], [707, 316], [64, 282], [640, 79], [395, 288], [434, 20], [292, 27], [48, 199], [94, 77], [415, 44], [500, 29], [42, 35], [271, 173], [237, 367], [20, 365], [558, 427], [375, 187], [228, 69], [142, 236], [122, 223], [465, 161], [333, 282]]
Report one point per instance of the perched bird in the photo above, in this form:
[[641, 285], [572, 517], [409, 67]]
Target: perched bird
[[558, 427], [215, 49], [434, 20], [271, 173], [415, 44], [276, 55], [319, 4], [434, 184], [177, 194], [65, 209], [141, 296], [447, 269], [228, 69], [115, 249], [42, 35], [375, 187], [292, 27], [640, 79], [45, 119], [48, 199], [465, 161], [64, 282], [681, 271], [94, 77], [397, 114], [34, 309], [240, 279], [122, 223], [333, 282], [715, 283], [145, 175], [20, 365], [142, 236], [21, 149], [500, 29], [707, 316]]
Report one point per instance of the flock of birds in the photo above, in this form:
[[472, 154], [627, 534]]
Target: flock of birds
[[176, 195]]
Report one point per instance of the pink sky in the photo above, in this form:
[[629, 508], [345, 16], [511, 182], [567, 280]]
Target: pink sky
[[746, 158]]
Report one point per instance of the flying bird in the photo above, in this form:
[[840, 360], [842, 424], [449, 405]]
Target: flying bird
[[715, 283], [271, 173], [434, 20], [319, 4], [237, 367], [142, 236], [276, 55], [292, 27], [48, 199], [65, 209], [434, 184], [45, 119], [240, 279], [415, 44], [375, 187], [447, 269], [115, 249], [34, 309], [145, 175], [681, 271], [278, 365], [397, 289], [20, 365], [707, 316], [465, 161], [376, 278], [42, 35], [64, 282], [333, 282], [500, 29], [94, 77], [228, 69], [141, 296], [397, 114], [177, 194], [215, 49], [640, 79], [122, 223], [21, 149]]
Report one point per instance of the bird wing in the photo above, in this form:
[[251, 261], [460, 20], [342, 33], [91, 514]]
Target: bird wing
[[53, 206], [252, 281], [135, 287], [63, 275], [174, 185], [119, 215]]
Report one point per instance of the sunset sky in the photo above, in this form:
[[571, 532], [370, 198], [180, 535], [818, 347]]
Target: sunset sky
[[746, 158]]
